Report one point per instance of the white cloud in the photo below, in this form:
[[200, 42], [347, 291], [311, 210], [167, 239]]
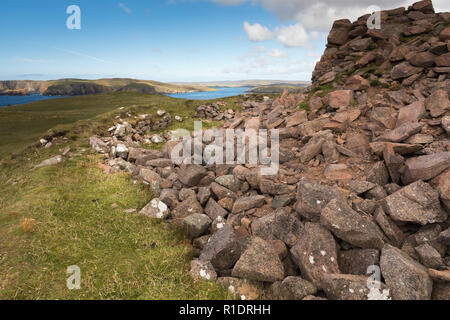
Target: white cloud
[[277, 54], [79, 54], [293, 36], [257, 32], [125, 8], [30, 60], [319, 15]]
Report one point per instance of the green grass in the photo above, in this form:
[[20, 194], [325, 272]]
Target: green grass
[[23, 125], [121, 255]]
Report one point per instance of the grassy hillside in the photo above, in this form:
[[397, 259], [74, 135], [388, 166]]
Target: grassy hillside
[[247, 83], [81, 86], [75, 214]]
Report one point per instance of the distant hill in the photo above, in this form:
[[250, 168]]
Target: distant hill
[[247, 83], [72, 87]]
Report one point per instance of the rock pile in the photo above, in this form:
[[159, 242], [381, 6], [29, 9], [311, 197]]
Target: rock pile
[[214, 111], [364, 179]]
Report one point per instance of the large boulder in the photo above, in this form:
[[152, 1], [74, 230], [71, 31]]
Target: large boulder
[[339, 33], [425, 167], [247, 203], [279, 224], [259, 263], [156, 209], [406, 278], [350, 226], [313, 197], [315, 253], [196, 224], [438, 103], [404, 70], [223, 249], [401, 133], [417, 203], [187, 207], [358, 261], [191, 175], [340, 98]]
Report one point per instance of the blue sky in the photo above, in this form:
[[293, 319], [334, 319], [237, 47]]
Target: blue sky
[[166, 40]]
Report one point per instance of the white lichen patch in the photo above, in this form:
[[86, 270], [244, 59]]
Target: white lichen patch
[[311, 260]]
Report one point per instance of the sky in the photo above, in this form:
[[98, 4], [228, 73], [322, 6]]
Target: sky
[[172, 40]]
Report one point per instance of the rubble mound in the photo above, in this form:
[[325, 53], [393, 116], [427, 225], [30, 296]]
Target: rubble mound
[[363, 183]]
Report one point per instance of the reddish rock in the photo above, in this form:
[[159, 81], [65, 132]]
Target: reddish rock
[[339, 33], [280, 225], [423, 59], [190, 175], [357, 83], [438, 103], [350, 226], [411, 113], [313, 197], [445, 34], [247, 203], [357, 261], [417, 203], [316, 254], [401, 133], [259, 262], [187, 207], [399, 53], [296, 119], [400, 272], [425, 6], [425, 167], [390, 229], [404, 70], [340, 98], [443, 60], [223, 249], [365, 60]]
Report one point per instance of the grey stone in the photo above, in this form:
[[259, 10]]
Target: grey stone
[[406, 278]]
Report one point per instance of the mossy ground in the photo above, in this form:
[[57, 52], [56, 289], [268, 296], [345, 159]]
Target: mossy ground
[[58, 216]]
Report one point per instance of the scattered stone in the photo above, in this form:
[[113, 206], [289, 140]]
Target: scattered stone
[[187, 207], [247, 203], [425, 167], [350, 226], [358, 261], [223, 249], [429, 256], [196, 224], [191, 175], [315, 253], [229, 182], [296, 288], [156, 209], [259, 263], [214, 210], [406, 278], [279, 224], [49, 162], [202, 270], [417, 203]]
